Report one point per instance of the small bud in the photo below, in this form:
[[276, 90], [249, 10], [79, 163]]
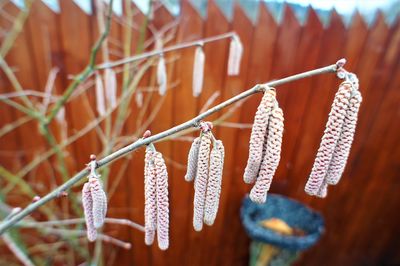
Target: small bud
[[62, 194], [146, 134], [341, 62], [36, 198], [92, 157]]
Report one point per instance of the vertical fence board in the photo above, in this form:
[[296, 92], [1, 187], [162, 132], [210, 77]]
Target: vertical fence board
[[360, 212]]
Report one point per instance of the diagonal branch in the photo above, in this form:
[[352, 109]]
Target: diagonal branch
[[145, 141]]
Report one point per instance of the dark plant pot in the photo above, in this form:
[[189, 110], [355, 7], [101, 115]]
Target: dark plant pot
[[285, 248]]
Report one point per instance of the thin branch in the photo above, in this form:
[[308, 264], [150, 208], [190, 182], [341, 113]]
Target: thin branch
[[82, 220], [142, 142], [86, 72], [164, 50], [16, 29]]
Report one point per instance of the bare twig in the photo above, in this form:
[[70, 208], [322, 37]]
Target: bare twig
[[141, 142]]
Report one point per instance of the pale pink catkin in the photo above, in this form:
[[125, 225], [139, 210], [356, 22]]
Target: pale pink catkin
[[162, 76], [235, 56], [198, 71], [162, 202], [87, 203], [110, 81], [257, 136], [100, 101], [150, 202], [200, 184], [214, 183], [272, 154], [192, 160], [342, 150], [329, 139], [99, 199]]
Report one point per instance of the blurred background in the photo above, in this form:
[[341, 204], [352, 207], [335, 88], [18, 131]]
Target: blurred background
[[44, 44]]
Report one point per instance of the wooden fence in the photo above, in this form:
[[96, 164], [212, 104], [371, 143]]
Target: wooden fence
[[362, 220]]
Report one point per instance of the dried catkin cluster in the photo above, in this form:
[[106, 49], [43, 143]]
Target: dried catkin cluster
[[94, 201], [205, 167], [336, 142], [156, 199], [271, 156], [258, 136]]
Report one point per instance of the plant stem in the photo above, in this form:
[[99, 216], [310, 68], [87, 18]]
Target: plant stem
[[164, 50], [85, 73], [142, 142]]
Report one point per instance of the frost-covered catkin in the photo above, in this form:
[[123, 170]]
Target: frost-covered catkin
[[257, 137], [100, 101], [111, 87], [200, 183], [329, 139], [162, 76], [214, 183], [99, 202], [272, 155], [162, 202], [192, 160], [150, 199], [235, 56], [87, 203], [343, 146], [198, 71]]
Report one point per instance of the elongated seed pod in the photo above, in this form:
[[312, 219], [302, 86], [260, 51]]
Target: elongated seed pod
[[214, 183], [192, 160], [161, 76], [198, 71], [329, 139], [270, 162], [200, 183], [342, 150], [257, 137], [100, 101], [235, 56], [150, 197], [87, 203], [99, 202], [162, 202], [111, 87]]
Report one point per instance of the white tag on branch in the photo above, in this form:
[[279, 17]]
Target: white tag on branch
[[100, 101], [235, 56], [161, 76], [198, 71], [110, 80]]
